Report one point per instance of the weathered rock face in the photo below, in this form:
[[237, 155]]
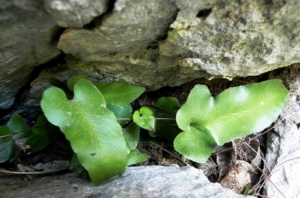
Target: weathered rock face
[[234, 38], [136, 182], [283, 148], [27, 39], [125, 45], [153, 43], [68, 13], [159, 43]]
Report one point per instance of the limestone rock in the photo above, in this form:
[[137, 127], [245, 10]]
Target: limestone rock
[[234, 38], [125, 45], [27, 39], [164, 42], [283, 149], [136, 182], [70, 13]]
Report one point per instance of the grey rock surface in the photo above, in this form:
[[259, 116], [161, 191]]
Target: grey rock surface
[[27, 39], [152, 43], [234, 38], [283, 148], [70, 13], [160, 43], [136, 182], [125, 45]]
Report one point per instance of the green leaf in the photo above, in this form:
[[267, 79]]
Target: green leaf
[[58, 83], [15, 129], [6, 144], [67, 85], [236, 112], [135, 157], [122, 113], [246, 191], [166, 107], [131, 134], [18, 127], [195, 144], [61, 84], [119, 93], [93, 131], [43, 133], [72, 81], [169, 105], [145, 118]]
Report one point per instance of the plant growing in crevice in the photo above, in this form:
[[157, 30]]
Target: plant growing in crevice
[[236, 112], [89, 122], [17, 139], [103, 130], [206, 121]]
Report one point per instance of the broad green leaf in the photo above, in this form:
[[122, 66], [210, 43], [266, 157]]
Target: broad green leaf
[[72, 81], [60, 84], [15, 129], [67, 85], [236, 112], [195, 144], [43, 133], [6, 144], [93, 131], [57, 83], [18, 127], [119, 93], [135, 157], [166, 107], [131, 134], [123, 114], [144, 118], [169, 105]]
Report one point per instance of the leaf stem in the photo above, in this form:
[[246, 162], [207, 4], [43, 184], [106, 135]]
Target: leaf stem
[[155, 118]]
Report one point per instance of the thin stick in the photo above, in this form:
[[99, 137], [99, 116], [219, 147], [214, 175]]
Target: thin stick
[[259, 156], [30, 173], [155, 119], [274, 169], [266, 176]]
